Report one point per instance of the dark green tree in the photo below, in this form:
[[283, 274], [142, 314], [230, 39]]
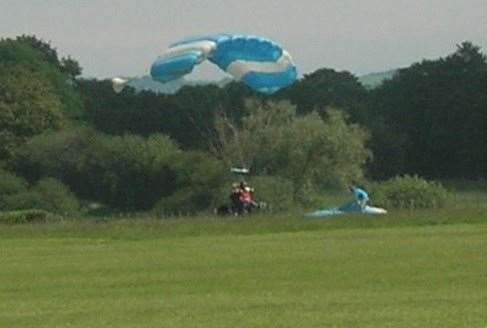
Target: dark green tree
[[432, 118], [38, 56], [326, 88], [66, 64], [188, 116], [28, 106]]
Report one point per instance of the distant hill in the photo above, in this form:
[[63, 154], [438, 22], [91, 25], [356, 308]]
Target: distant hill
[[147, 83], [373, 80]]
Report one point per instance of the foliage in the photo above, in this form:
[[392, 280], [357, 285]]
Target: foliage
[[10, 185], [187, 116], [409, 192], [326, 88], [131, 172], [277, 192], [141, 149], [198, 178], [28, 106], [126, 172], [430, 118], [272, 140], [62, 155], [27, 216], [55, 197], [48, 194], [37, 56]]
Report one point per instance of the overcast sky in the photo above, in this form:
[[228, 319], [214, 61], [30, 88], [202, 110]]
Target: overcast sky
[[122, 37]]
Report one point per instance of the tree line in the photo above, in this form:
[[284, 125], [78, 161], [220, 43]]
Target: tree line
[[138, 151]]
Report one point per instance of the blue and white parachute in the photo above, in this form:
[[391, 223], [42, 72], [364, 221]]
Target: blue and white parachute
[[349, 208], [260, 63]]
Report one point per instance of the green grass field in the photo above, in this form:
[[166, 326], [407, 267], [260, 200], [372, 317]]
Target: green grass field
[[406, 269]]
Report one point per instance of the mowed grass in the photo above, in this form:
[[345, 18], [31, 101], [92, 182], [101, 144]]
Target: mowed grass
[[406, 269]]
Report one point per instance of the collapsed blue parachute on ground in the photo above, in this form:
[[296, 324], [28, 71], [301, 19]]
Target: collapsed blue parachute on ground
[[349, 208], [260, 63]]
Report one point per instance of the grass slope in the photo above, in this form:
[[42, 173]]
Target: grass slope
[[423, 269]]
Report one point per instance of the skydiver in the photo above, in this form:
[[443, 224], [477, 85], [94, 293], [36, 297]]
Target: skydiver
[[361, 196], [235, 198], [246, 197]]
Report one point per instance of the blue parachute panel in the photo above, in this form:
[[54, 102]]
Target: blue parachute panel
[[214, 37], [168, 69], [270, 82], [261, 63], [349, 208], [245, 48]]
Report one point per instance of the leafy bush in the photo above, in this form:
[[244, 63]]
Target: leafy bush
[[27, 216], [184, 201], [55, 197], [276, 192], [48, 194], [66, 155], [124, 172], [28, 107], [198, 179], [131, 172], [10, 185], [409, 192], [22, 201], [308, 150]]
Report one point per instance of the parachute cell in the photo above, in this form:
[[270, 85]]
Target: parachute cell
[[260, 63], [168, 69]]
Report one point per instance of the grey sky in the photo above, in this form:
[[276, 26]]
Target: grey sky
[[123, 37]]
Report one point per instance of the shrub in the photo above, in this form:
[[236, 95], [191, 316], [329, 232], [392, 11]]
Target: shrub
[[22, 201], [29, 106], [63, 155], [48, 194], [409, 192], [27, 216], [184, 201], [307, 150], [276, 192], [55, 197], [10, 185], [198, 179], [124, 172]]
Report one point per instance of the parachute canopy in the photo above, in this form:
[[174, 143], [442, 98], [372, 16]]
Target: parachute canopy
[[349, 208], [260, 63]]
